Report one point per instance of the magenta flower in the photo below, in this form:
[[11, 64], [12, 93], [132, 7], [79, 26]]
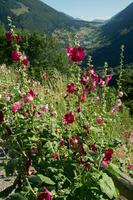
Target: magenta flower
[[16, 55], [69, 118], [94, 148], [45, 195], [9, 36], [18, 38], [109, 78], [25, 61], [130, 166], [83, 96], [76, 54], [99, 120], [84, 80], [16, 106], [102, 82], [30, 96], [71, 88], [107, 157]]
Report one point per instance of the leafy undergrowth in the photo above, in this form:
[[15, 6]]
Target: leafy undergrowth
[[59, 136]]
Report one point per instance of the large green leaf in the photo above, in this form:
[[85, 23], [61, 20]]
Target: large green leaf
[[46, 179], [107, 186]]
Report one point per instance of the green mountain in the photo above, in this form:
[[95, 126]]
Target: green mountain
[[34, 15], [117, 31]]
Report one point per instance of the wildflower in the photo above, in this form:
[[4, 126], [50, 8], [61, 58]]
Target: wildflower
[[45, 195], [25, 61], [16, 55], [84, 80], [99, 120], [30, 96], [55, 155], [130, 166], [16, 106], [18, 38], [9, 36], [102, 82], [79, 109], [1, 117], [27, 166], [107, 157], [76, 54], [34, 150], [83, 96], [71, 88], [62, 142], [69, 118], [94, 148], [109, 78]]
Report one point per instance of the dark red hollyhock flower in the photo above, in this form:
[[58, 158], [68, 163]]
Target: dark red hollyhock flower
[[84, 80], [62, 142], [1, 117], [71, 88], [55, 155], [77, 145], [30, 96], [9, 36], [107, 157], [18, 38], [27, 166], [76, 54], [34, 150], [109, 78], [16, 55], [45, 195], [25, 61], [69, 118], [16, 106], [94, 147], [83, 96], [79, 109]]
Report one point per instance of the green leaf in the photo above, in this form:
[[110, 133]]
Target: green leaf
[[16, 196], [35, 180], [107, 186], [46, 179]]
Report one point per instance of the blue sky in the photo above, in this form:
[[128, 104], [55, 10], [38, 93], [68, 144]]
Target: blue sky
[[89, 9]]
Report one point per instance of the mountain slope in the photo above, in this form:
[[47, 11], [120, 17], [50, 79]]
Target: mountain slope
[[118, 31], [35, 15]]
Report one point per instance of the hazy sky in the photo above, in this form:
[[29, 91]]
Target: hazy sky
[[89, 9]]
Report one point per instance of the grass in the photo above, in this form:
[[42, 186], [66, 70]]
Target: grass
[[20, 11]]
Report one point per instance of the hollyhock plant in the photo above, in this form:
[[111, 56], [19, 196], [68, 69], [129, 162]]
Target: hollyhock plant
[[16, 106], [94, 148], [30, 96], [108, 79], [18, 38], [130, 166], [107, 157], [55, 155], [83, 96], [84, 80], [45, 195], [71, 88], [25, 61], [99, 120], [69, 118], [9, 36], [16, 55], [76, 54]]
